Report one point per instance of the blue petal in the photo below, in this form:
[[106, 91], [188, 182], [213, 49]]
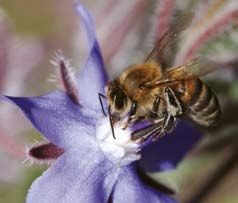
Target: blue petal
[[166, 153], [57, 118], [93, 77], [77, 176], [129, 189]]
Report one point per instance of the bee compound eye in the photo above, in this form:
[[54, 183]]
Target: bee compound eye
[[120, 100]]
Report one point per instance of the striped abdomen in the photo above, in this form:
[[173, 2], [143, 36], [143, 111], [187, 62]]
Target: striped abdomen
[[200, 104]]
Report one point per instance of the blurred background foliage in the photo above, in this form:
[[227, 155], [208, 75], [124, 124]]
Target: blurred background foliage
[[30, 33]]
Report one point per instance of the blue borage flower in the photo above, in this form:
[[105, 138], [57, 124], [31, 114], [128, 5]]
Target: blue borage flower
[[91, 166]]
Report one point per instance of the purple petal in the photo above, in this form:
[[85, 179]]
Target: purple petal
[[129, 189], [168, 151], [93, 77], [60, 120], [77, 176]]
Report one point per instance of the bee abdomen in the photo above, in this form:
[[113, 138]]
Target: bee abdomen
[[208, 120], [202, 99], [203, 106]]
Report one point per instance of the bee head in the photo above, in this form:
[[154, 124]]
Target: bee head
[[117, 99]]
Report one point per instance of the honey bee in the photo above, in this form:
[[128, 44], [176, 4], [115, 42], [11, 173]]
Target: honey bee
[[146, 92]]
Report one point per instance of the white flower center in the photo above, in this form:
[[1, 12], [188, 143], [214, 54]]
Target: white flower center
[[122, 150]]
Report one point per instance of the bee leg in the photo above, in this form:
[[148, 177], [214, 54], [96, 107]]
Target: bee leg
[[157, 129], [131, 114], [156, 104], [167, 126], [147, 131], [173, 110], [100, 96], [173, 105]]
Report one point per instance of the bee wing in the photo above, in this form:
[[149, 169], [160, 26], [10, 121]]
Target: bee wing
[[159, 48], [193, 69], [168, 38]]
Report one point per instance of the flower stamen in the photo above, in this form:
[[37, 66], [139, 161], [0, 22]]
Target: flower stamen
[[47, 151], [67, 77], [122, 150]]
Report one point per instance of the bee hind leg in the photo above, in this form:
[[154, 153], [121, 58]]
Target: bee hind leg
[[173, 105], [173, 110]]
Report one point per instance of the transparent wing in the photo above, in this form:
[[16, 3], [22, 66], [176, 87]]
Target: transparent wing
[[160, 47], [168, 38], [193, 69]]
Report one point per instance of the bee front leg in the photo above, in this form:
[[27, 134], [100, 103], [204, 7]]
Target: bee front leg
[[131, 114]]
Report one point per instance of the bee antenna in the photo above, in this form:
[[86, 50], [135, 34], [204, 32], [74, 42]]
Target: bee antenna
[[111, 122], [100, 96]]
